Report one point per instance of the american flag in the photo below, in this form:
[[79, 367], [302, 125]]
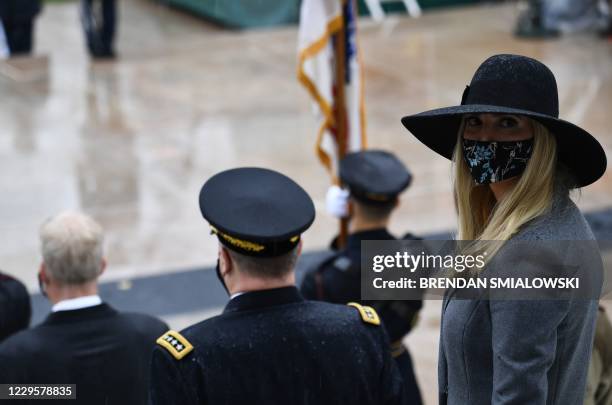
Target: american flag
[[330, 68]]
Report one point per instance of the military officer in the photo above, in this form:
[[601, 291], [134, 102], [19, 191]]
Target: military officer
[[270, 345], [84, 341], [15, 309], [374, 179]]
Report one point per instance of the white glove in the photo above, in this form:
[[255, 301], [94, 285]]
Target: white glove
[[336, 201]]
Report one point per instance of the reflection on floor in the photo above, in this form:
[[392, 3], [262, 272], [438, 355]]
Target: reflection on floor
[[132, 141]]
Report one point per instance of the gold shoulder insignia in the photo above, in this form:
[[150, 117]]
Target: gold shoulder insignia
[[368, 314], [175, 343]]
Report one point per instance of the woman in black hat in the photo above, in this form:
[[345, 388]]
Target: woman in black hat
[[514, 164]]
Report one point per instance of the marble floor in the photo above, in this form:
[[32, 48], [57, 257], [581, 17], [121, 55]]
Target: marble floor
[[132, 141]]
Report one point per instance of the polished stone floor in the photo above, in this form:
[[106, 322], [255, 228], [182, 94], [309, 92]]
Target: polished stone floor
[[132, 141]]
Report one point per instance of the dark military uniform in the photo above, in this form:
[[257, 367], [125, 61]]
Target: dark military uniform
[[18, 21], [15, 309], [272, 347], [99, 20], [104, 352], [373, 177], [338, 280]]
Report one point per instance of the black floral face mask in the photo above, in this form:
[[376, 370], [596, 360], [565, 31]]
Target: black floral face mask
[[494, 161]]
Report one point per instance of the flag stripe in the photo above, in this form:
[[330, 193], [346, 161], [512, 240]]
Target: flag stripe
[[330, 68], [334, 26]]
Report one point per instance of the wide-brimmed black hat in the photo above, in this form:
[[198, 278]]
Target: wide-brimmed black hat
[[374, 176], [255, 211], [513, 84]]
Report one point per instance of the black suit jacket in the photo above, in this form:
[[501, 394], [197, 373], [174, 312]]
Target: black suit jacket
[[272, 347], [15, 309], [104, 352]]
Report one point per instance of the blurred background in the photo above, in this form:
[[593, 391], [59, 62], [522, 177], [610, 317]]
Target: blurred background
[[198, 86]]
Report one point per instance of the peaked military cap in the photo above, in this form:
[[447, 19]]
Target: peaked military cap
[[255, 211], [374, 176]]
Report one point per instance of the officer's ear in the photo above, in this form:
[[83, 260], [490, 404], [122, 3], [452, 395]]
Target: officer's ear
[[225, 261], [299, 248]]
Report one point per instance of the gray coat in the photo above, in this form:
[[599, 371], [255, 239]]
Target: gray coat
[[520, 351]]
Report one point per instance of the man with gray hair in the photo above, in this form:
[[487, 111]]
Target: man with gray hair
[[84, 341]]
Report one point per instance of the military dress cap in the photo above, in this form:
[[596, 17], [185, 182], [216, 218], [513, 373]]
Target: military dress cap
[[255, 211], [374, 176]]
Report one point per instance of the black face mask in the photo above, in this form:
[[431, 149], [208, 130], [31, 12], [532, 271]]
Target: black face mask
[[41, 285], [220, 277], [490, 162]]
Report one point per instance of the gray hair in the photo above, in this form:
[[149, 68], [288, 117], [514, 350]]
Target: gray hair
[[72, 247]]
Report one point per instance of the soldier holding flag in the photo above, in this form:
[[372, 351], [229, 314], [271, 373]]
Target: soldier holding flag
[[329, 66], [375, 179]]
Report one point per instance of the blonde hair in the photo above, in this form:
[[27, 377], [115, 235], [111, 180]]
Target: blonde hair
[[484, 223], [72, 247]]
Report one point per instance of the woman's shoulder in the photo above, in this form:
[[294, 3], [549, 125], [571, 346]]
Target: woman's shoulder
[[563, 221], [559, 243]]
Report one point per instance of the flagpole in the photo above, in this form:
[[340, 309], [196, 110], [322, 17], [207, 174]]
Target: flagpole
[[340, 110]]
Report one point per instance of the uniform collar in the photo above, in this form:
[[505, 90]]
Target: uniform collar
[[264, 298], [354, 239]]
